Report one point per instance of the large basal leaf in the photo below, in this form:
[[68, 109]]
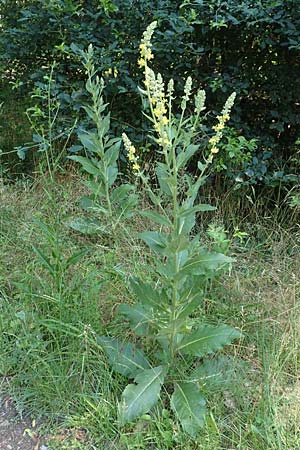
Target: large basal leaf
[[139, 316], [124, 357], [207, 339], [139, 398], [218, 373], [188, 404]]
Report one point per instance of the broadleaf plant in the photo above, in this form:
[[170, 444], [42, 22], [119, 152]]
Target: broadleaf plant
[[109, 203], [168, 313]]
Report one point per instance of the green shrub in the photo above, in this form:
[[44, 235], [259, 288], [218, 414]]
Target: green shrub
[[251, 47]]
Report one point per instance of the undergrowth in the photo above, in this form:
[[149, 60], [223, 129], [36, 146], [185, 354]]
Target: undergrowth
[[54, 368]]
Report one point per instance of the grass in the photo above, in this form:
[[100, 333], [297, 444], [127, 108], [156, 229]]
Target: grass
[[56, 372]]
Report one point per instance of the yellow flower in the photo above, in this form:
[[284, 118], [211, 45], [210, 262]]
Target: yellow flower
[[131, 152], [220, 126], [164, 141], [164, 120], [214, 140], [141, 62], [214, 150]]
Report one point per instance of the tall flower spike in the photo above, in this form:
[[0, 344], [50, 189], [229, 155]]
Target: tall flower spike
[[188, 88], [187, 92], [170, 87], [200, 101], [131, 152], [219, 127], [145, 46], [228, 105]]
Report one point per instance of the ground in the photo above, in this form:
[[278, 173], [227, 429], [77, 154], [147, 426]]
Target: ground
[[16, 434]]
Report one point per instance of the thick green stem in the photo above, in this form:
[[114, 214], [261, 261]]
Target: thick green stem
[[173, 312]]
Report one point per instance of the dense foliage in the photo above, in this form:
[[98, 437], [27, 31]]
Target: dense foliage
[[251, 47]]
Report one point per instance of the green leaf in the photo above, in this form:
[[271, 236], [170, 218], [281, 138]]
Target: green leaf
[[88, 204], [139, 398], [96, 187], [156, 217], [187, 216], [197, 208], [207, 339], [147, 294], [204, 263], [184, 156], [124, 357], [139, 316], [90, 141], [190, 299], [112, 153], [44, 260], [120, 193], [188, 404], [164, 179], [112, 173], [217, 374], [76, 257], [155, 240], [85, 226], [87, 164]]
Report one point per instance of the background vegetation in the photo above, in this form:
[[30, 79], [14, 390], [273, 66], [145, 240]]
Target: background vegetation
[[60, 289], [248, 47]]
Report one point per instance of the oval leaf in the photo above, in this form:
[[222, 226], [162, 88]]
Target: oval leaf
[[188, 404], [139, 398], [207, 339], [124, 357]]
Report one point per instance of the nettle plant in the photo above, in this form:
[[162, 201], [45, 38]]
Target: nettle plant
[[168, 312], [111, 201]]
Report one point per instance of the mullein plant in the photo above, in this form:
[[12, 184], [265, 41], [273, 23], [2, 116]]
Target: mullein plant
[[111, 201], [168, 312]]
